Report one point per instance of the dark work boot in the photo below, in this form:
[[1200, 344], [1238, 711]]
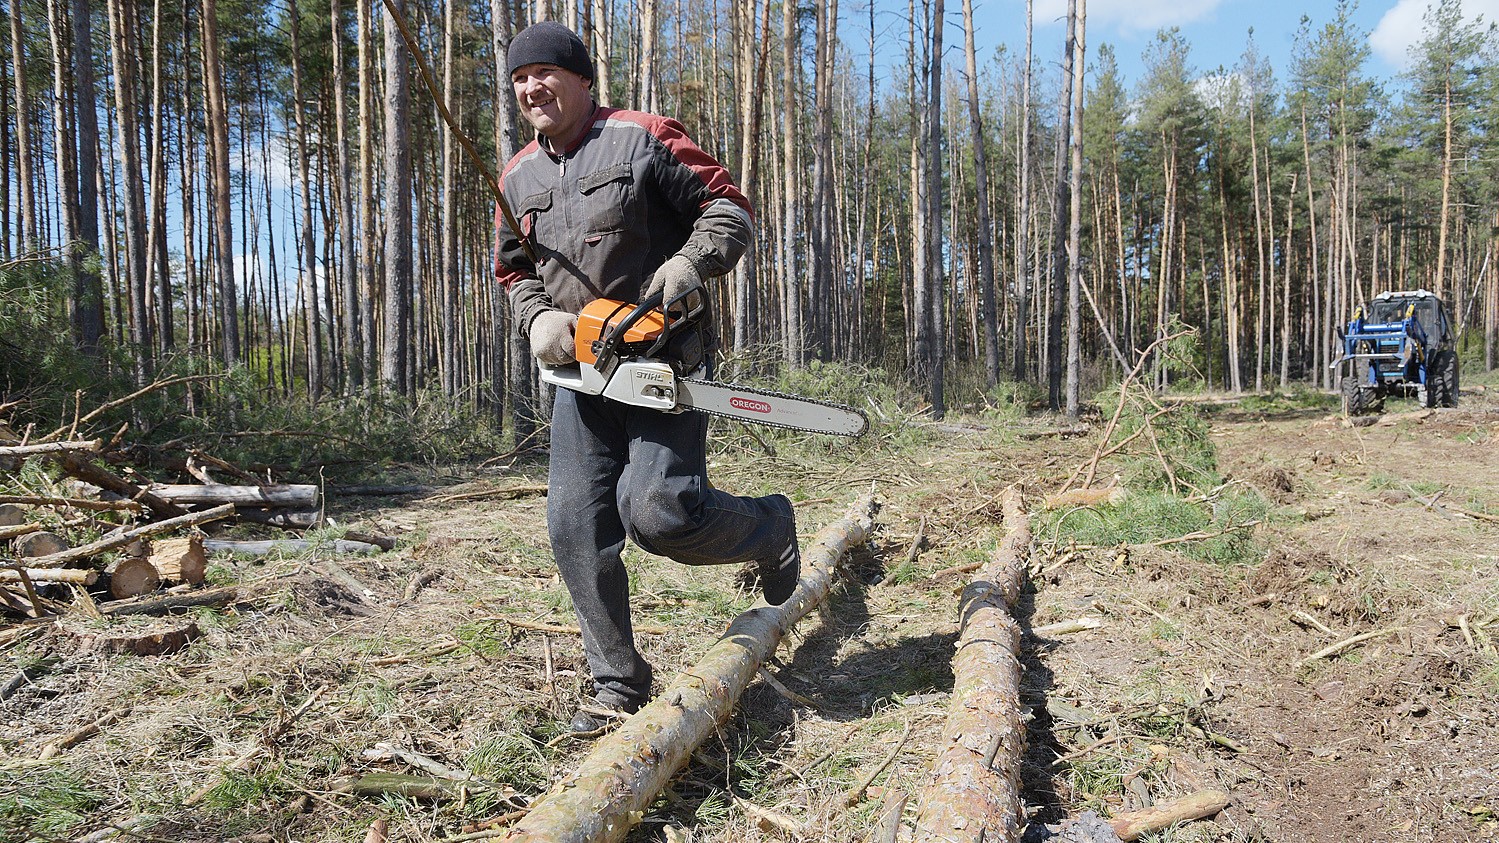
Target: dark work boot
[[779, 575], [593, 715]]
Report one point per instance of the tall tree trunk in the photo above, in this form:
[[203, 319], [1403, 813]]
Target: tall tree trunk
[[218, 131], [649, 26], [791, 322], [1442, 224], [24, 175], [1075, 215], [121, 30], [368, 237], [1059, 220], [308, 258], [1023, 213], [348, 266], [448, 324], [823, 217], [936, 359], [395, 357], [88, 290], [158, 269], [981, 199]]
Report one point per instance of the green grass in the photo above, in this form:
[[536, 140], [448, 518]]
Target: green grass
[[43, 801], [1150, 516], [239, 791]]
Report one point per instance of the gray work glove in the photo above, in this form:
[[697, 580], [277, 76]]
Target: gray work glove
[[552, 337], [675, 277]]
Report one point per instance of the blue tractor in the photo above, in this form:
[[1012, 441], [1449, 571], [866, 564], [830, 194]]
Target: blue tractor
[[1401, 343]]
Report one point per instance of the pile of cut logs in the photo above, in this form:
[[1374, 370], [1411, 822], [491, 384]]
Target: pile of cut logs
[[148, 534]]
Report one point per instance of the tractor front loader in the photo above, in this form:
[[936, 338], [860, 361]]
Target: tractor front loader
[[1401, 345]]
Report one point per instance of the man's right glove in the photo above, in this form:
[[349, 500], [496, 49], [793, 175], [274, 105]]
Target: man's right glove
[[552, 337]]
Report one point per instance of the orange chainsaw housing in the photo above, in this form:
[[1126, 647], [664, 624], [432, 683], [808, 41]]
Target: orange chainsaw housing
[[599, 318]]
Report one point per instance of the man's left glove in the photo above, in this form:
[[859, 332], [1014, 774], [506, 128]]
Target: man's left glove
[[674, 279], [552, 337]]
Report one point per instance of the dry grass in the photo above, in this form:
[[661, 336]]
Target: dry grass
[[298, 680]]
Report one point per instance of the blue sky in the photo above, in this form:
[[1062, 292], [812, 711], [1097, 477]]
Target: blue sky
[[1217, 30]]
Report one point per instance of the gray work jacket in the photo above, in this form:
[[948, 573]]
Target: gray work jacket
[[602, 215]]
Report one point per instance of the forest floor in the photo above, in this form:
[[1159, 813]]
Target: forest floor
[[1198, 677]]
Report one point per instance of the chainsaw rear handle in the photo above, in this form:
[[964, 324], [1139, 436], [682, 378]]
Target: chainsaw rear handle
[[675, 319]]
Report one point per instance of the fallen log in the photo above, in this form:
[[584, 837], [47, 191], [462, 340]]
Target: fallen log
[[37, 544], [128, 536], [297, 496], [132, 576], [287, 519], [1132, 825], [76, 576], [627, 768], [166, 603], [180, 560], [74, 503], [11, 516], [268, 546], [974, 790], [88, 446], [88, 472]]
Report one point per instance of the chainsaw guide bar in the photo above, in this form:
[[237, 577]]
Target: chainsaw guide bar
[[645, 355]]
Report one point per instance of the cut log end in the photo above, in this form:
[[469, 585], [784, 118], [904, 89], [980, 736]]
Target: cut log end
[[132, 576]]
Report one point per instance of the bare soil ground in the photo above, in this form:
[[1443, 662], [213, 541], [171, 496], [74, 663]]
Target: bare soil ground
[[1198, 677]]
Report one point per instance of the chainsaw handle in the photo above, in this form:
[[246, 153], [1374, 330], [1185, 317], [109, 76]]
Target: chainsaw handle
[[609, 350]]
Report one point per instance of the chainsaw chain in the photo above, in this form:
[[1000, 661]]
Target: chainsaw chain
[[773, 394]]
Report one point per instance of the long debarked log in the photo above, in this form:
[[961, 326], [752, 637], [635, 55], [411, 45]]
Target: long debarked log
[[49, 448], [974, 793], [300, 496], [78, 576], [621, 777]]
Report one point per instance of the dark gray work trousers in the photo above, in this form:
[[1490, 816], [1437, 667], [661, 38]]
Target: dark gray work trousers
[[618, 470]]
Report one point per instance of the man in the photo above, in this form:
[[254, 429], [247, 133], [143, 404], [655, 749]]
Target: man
[[621, 205]]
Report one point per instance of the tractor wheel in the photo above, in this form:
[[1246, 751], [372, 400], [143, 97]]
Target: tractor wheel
[[1356, 400], [1443, 378]]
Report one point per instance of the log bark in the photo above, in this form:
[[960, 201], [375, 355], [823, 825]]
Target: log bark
[[132, 576], [262, 548], [167, 603], [627, 768], [974, 792], [288, 519], [180, 560], [299, 496], [1132, 825], [76, 466], [50, 448], [146, 531], [20, 530], [75, 503], [76, 576]]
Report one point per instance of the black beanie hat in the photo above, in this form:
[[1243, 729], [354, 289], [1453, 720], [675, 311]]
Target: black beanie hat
[[550, 42]]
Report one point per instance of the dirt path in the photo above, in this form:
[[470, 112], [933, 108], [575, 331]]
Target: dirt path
[[1195, 680]]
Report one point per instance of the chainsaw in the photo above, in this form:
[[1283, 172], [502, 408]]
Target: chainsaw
[[647, 355]]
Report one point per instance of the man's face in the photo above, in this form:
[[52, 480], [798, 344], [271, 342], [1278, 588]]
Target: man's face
[[553, 100]]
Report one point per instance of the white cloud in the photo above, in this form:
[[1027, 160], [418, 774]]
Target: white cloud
[[1402, 27], [1130, 17]]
